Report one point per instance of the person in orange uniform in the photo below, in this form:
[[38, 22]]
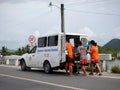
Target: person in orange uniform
[[69, 57], [95, 60]]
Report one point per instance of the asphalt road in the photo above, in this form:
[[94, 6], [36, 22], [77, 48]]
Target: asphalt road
[[15, 79]]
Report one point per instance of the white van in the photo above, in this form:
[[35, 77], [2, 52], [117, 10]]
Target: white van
[[49, 53]]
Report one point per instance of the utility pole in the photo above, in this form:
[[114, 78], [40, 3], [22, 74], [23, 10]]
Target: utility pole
[[62, 19], [62, 16], [63, 39]]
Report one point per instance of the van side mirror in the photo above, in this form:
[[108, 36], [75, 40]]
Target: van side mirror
[[28, 51]]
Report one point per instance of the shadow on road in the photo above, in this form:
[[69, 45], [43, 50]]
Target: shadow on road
[[39, 71]]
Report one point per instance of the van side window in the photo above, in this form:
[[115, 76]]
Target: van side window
[[42, 42], [53, 40]]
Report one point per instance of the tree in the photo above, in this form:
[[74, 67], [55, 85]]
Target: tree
[[109, 51], [4, 51], [22, 50]]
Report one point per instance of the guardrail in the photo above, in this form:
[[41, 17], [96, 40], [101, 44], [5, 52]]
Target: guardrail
[[12, 60], [104, 58], [2, 60]]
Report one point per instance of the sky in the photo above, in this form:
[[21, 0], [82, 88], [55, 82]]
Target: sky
[[19, 19]]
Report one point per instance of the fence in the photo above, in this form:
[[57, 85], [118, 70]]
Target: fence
[[12, 60]]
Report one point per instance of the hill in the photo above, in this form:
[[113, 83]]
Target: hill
[[114, 43]]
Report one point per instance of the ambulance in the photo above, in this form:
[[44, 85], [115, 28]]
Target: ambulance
[[49, 53]]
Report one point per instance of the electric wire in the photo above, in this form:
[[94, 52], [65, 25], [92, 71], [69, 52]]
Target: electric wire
[[89, 2], [91, 12]]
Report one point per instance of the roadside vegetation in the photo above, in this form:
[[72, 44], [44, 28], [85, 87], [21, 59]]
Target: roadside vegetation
[[22, 50], [115, 69], [5, 51], [109, 51]]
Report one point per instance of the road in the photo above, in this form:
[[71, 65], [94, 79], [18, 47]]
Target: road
[[15, 79]]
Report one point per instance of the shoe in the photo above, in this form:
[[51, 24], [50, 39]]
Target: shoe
[[100, 74]]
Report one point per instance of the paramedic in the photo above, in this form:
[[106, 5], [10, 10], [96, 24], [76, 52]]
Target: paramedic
[[94, 58], [69, 65]]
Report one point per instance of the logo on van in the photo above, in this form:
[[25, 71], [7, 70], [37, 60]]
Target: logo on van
[[48, 50]]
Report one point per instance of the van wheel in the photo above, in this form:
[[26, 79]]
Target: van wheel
[[47, 67], [23, 66]]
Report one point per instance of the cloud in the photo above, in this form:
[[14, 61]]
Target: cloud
[[37, 34], [12, 1], [15, 44], [117, 32], [20, 1], [21, 18], [53, 30], [87, 30]]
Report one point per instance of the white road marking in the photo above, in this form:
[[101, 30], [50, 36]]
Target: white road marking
[[48, 83], [112, 77], [103, 76]]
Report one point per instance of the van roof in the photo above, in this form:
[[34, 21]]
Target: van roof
[[66, 34], [76, 34]]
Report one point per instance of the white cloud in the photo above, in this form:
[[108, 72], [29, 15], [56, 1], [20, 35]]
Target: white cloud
[[117, 32], [21, 18], [37, 34], [87, 30], [53, 30], [21, 1]]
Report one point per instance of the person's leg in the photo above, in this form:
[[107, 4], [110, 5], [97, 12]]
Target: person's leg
[[92, 68], [84, 71], [67, 65], [99, 69], [71, 70], [66, 68]]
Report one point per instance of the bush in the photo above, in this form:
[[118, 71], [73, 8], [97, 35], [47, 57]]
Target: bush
[[115, 69]]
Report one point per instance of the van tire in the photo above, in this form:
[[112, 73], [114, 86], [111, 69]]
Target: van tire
[[23, 66], [47, 67]]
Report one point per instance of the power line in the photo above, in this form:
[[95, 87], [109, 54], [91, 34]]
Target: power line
[[91, 12], [89, 2]]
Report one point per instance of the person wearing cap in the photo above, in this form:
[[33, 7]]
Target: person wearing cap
[[95, 60]]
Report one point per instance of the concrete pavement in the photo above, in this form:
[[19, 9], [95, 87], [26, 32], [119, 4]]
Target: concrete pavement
[[105, 74], [55, 81]]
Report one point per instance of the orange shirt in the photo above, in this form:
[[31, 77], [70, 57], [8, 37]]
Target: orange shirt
[[69, 49], [94, 52]]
